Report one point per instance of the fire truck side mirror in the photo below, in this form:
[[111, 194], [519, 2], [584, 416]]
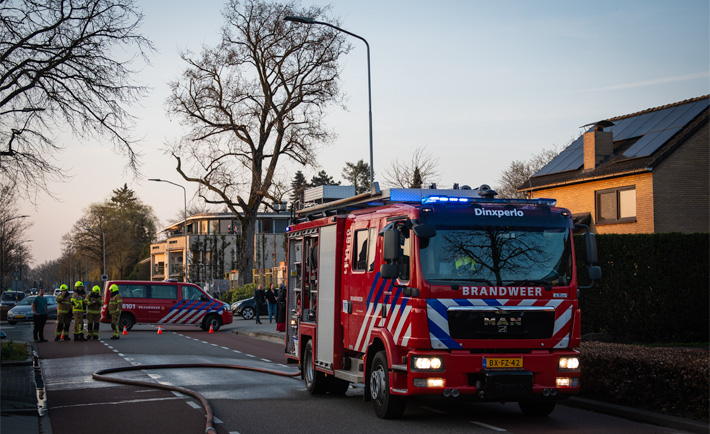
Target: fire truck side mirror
[[424, 231], [391, 246], [590, 248], [389, 271]]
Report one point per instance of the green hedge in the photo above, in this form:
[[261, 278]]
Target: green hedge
[[671, 381], [654, 288], [238, 293]]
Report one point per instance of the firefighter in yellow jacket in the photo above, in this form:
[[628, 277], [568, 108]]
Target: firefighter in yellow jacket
[[114, 309], [63, 314], [93, 312], [78, 307]]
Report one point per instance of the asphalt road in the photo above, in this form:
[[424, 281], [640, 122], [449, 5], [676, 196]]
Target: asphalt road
[[248, 402]]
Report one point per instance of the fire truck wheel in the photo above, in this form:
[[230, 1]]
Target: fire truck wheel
[[337, 386], [536, 408], [315, 380], [386, 405]]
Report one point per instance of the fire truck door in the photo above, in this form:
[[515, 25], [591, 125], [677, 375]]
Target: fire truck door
[[325, 326]]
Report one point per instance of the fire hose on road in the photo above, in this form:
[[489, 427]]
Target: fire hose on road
[[100, 376]]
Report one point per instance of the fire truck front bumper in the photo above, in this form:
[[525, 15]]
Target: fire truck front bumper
[[489, 377]]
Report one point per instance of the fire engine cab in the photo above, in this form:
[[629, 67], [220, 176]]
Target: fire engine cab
[[436, 292]]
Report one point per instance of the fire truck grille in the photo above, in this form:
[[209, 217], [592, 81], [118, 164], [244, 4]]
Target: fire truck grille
[[496, 324]]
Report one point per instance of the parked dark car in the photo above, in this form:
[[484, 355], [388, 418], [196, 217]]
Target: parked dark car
[[23, 310], [246, 309], [11, 298]]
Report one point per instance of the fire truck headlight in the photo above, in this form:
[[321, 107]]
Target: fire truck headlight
[[420, 363], [569, 364], [567, 382], [429, 382]]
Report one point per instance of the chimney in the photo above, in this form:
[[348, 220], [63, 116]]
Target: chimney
[[598, 145]]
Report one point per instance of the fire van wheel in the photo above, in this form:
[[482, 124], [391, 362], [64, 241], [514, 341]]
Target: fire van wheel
[[537, 408], [213, 321], [386, 405], [315, 380], [126, 321]]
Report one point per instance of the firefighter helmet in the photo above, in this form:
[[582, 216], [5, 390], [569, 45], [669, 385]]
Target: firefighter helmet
[[96, 289], [64, 287], [79, 284], [114, 288]]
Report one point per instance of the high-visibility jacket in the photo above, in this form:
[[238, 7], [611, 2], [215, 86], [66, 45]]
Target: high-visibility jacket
[[63, 303], [77, 302], [93, 303], [115, 304]]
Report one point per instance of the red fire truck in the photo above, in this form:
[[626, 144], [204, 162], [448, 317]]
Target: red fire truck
[[436, 292]]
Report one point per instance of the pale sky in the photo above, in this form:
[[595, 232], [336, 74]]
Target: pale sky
[[479, 83]]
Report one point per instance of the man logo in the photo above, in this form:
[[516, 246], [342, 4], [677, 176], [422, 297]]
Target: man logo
[[502, 323]]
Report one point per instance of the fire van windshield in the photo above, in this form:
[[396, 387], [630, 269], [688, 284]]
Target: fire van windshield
[[498, 254]]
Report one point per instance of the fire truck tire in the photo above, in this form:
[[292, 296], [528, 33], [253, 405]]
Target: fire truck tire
[[337, 386], [126, 320], [537, 408], [316, 383], [386, 405]]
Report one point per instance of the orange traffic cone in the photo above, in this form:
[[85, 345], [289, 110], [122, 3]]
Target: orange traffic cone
[[125, 332], [62, 336], [211, 329], [160, 331]]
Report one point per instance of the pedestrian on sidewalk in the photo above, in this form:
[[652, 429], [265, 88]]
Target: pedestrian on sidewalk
[[259, 300], [281, 310], [271, 300], [39, 308]]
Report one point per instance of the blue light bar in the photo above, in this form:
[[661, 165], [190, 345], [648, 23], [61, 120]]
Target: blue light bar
[[446, 199], [466, 200]]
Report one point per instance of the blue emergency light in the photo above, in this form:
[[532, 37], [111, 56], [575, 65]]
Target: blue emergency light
[[467, 200]]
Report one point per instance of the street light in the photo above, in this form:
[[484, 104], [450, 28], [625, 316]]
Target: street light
[[184, 195], [2, 256], [308, 20], [104, 277]]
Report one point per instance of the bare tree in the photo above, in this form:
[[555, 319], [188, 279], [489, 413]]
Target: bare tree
[[520, 171], [13, 239], [420, 170], [253, 100], [58, 68]]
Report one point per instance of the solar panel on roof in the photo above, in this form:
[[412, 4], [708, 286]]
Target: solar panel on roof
[[568, 159], [664, 128], [656, 127]]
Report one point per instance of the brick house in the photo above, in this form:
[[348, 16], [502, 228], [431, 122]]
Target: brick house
[[643, 172]]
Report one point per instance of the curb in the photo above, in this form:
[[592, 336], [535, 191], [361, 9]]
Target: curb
[[260, 335], [638, 415]]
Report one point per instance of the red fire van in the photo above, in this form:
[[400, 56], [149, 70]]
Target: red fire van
[[177, 303]]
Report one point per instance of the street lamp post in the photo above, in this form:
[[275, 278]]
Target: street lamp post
[[103, 242], [308, 20], [184, 195], [2, 248]]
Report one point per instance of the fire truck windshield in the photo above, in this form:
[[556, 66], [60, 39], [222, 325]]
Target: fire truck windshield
[[498, 255]]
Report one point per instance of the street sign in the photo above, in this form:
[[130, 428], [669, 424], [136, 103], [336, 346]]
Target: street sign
[[104, 277], [16, 274]]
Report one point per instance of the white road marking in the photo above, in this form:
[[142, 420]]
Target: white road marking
[[194, 405], [128, 401], [485, 425]]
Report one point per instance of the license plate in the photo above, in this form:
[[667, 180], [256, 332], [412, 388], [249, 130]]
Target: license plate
[[503, 362], [19, 316]]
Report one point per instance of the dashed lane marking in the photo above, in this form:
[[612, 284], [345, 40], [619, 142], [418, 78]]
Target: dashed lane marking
[[485, 425]]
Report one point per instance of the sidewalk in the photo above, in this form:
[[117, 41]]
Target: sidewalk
[[18, 397]]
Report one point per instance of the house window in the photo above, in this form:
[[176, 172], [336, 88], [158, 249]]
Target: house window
[[616, 205]]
